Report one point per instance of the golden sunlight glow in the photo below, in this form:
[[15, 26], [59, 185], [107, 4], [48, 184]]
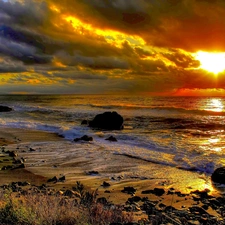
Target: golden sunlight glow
[[113, 37], [212, 62], [217, 105], [214, 105]]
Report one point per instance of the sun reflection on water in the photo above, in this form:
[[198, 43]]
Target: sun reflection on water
[[215, 105]]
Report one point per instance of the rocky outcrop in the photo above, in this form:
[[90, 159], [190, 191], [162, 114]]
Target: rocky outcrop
[[107, 121], [218, 176], [5, 108]]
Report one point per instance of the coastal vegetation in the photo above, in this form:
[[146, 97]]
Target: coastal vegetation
[[35, 207]]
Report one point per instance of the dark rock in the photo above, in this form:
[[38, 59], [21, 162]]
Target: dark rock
[[5, 108], [111, 138], [221, 200], [105, 184], [25, 183], [148, 207], [61, 179], [69, 193], [61, 135], [84, 138], [134, 199], [53, 179], [218, 176], [107, 121], [169, 208], [205, 207], [156, 191], [93, 172], [161, 205], [214, 203], [84, 122], [32, 150], [179, 194], [129, 190], [202, 194], [43, 187], [12, 154]]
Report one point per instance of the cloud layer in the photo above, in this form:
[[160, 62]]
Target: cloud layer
[[101, 46]]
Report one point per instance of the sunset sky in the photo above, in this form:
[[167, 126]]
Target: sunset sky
[[112, 46]]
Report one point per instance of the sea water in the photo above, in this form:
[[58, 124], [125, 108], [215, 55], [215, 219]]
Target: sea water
[[181, 132]]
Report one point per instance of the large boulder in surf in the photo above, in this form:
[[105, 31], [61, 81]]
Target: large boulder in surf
[[5, 108], [218, 176], [107, 121]]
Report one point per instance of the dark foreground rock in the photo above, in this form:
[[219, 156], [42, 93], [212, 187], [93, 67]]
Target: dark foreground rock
[[5, 108], [84, 122], [111, 138], [218, 175], [84, 138], [107, 121]]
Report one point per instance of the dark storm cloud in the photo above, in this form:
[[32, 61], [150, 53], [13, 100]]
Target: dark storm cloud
[[77, 75], [35, 37], [98, 62], [22, 52], [186, 24], [9, 66], [28, 13]]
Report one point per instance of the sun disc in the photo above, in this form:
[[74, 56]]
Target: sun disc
[[212, 62]]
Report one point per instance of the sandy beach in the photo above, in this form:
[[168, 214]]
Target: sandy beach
[[92, 167]]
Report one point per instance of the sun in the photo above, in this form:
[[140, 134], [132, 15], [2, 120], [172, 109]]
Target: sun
[[212, 62]]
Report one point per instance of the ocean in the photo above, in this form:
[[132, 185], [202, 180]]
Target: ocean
[[181, 132]]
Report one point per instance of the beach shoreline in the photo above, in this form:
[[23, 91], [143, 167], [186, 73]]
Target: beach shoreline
[[92, 168]]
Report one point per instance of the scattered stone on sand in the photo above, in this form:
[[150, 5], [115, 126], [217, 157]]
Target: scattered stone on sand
[[53, 179], [107, 121], [218, 176], [92, 172], [32, 150], [155, 191], [129, 190], [111, 138], [12, 153], [134, 199], [62, 179], [84, 138], [105, 184]]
